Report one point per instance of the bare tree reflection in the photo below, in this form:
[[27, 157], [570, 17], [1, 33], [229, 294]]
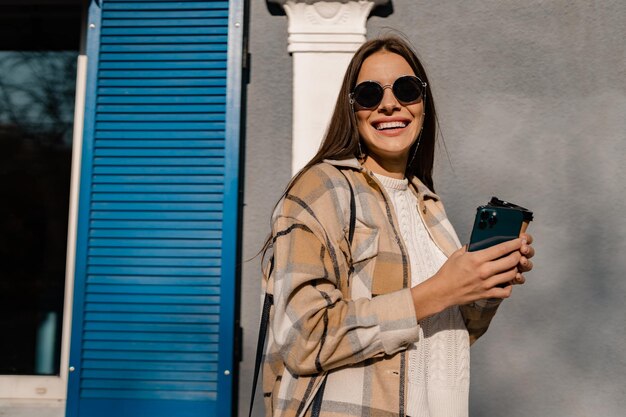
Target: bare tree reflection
[[37, 96], [36, 115]]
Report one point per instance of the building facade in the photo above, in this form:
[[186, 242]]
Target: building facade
[[145, 143]]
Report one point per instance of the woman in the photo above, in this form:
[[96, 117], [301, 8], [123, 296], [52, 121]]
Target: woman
[[381, 325]]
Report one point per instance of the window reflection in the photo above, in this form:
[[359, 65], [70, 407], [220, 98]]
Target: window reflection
[[36, 114]]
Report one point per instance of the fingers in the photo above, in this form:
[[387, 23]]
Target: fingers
[[499, 250], [529, 238], [498, 292], [518, 280], [509, 262], [525, 264], [528, 251], [506, 277]]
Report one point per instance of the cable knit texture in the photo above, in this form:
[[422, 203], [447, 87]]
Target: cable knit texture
[[438, 383]]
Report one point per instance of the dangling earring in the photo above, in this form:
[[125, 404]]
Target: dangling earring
[[361, 155]]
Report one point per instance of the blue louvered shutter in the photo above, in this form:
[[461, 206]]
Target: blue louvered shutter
[[154, 294]]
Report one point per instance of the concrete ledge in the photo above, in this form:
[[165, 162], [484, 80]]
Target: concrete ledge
[[32, 408]]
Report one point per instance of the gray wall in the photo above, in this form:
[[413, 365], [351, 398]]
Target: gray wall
[[267, 169], [532, 103]]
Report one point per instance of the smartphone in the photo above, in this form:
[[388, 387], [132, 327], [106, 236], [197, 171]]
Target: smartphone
[[495, 224]]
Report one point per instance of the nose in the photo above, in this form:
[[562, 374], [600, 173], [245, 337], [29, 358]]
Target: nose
[[389, 101]]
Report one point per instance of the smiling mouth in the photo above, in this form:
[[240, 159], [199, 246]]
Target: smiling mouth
[[390, 125]]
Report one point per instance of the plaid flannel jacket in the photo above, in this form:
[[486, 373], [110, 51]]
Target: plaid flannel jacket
[[345, 314]]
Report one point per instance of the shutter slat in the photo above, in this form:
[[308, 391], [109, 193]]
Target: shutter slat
[[179, 137], [155, 197], [158, 243], [162, 108], [186, 272], [218, 37], [186, 88], [129, 75], [159, 290], [162, 100], [159, 143], [160, 188], [150, 375], [210, 29], [207, 47], [166, 5], [185, 225], [151, 152], [157, 179], [129, 224], [151, 337], [133, 215], [150, 365], [163, 56], [187, 171], [157, 161], [185, 328], [152, 261], [155, 252], [218, 20], [138, 317], [151, 346], [182, 283], [162, 88], [159, 118], [150, 318], [151, 356], [159, 207], [150, 308], [185, 381], [161, 294], [159, 126], [135, 15], [163, 65], [149, 395]]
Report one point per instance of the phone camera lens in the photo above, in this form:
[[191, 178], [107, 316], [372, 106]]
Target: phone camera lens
[[484, 215], [482, 224], [493, 219]]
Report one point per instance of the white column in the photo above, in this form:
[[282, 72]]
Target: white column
[[323, 36]]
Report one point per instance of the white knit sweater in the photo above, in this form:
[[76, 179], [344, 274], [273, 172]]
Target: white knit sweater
[[438, 384]]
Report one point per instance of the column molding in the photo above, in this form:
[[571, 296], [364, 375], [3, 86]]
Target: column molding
[[322, 38]]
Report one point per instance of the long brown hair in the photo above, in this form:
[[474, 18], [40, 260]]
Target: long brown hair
[[342, 138]]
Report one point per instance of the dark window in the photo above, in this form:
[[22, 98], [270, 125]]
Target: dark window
[[38, 51]]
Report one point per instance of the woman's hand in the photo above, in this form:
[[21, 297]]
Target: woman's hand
[[525, 264], [471, 276]]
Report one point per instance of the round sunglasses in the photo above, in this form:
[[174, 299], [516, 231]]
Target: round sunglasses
[[369, 94]]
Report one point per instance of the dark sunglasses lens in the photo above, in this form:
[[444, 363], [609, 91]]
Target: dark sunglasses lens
[[368, 94], [407, 89]]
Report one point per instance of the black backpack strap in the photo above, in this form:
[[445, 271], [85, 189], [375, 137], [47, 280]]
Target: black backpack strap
[[268, 300], [316, 406], [265, 317]]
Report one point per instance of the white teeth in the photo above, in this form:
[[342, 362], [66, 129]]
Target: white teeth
[[390, 125]]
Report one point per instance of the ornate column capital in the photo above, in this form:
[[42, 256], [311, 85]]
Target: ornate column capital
[[327, 26], [323, 37]]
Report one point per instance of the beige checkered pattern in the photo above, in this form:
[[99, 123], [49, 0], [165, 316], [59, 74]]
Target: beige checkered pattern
[[351, 329]]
